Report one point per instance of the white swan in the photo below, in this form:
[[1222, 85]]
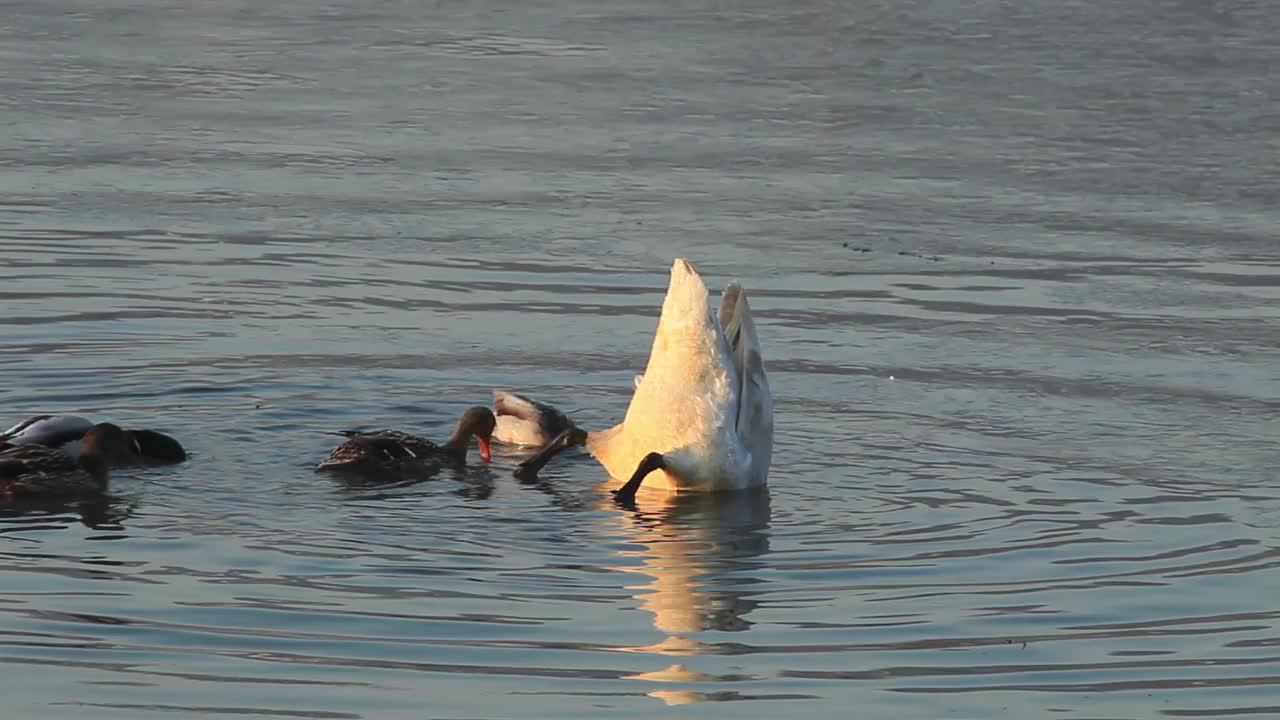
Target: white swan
[[701, 417]]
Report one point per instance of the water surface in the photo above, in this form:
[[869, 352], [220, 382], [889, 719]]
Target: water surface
[[1014, 266]]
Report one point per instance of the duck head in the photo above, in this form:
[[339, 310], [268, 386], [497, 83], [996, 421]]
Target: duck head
[[102, 446], [477, 421]]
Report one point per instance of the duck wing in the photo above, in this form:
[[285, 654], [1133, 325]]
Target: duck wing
[[23, 425], [20, 458], [37, 469], [51, 430], [381, 447]]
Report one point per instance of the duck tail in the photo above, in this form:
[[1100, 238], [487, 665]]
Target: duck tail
[[509, 403]]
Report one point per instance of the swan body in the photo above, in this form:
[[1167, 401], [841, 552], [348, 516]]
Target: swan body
[[701, 417]]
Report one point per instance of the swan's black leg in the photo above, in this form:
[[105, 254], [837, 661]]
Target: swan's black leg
[[529, 468], [626, 495]]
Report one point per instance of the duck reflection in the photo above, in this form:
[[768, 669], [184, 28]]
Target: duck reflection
[[472, 483], [698, 552], [100, 512]]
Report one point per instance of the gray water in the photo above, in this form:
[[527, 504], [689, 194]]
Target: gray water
[[1016, 272]]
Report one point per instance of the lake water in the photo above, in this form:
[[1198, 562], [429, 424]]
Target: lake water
[[1016, 268]]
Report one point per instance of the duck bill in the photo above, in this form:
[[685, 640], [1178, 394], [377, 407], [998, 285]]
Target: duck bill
[[484, 448]]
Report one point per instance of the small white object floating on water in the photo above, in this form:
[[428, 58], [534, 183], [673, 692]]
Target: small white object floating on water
[[522, 421]]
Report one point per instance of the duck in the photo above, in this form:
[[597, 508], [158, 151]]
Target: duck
[[39, 470], [393, 450], [49, 430], [526, 422], [701, 416], [64, 432]]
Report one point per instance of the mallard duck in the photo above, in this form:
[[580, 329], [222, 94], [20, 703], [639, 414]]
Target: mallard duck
[[50, 430], [392, 450], [39, 470], [701, 417], [522, 421], [142, 447]]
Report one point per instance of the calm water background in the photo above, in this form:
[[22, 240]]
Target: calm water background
[[1015, 266]]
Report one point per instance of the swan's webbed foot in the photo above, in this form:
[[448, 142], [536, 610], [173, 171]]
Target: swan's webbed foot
[[626, 495]]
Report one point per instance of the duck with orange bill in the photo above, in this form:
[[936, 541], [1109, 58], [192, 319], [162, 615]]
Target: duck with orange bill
[[393, 451]]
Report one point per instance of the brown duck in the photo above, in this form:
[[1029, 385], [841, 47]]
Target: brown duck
[[39, 470], [392, 450]]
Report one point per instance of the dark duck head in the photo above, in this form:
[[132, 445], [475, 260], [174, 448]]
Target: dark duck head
[[478, 422]]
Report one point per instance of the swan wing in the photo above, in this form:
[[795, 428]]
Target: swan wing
[[754, 422]]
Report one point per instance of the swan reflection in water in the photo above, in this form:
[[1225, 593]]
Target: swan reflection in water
[[698, 552]]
